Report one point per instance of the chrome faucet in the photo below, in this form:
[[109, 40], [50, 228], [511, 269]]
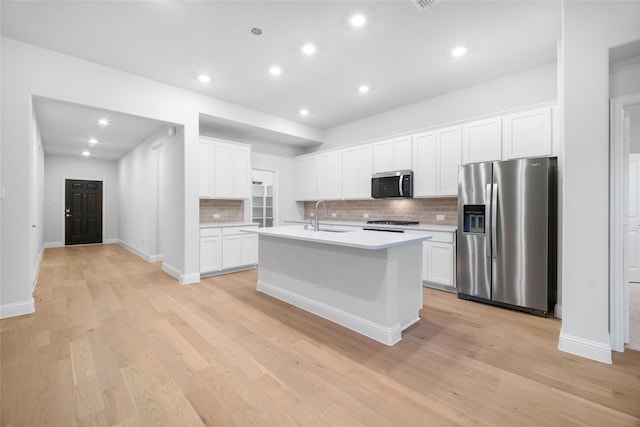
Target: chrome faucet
[[316, 226]]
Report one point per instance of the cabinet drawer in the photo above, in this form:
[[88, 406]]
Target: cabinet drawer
[[235, 230], [210, 232], [443, 237]]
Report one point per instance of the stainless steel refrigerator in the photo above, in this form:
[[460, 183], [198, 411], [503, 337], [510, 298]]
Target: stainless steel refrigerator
[[507, 228]]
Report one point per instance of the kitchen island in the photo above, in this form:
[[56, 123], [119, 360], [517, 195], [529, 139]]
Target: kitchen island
[[367, 281]]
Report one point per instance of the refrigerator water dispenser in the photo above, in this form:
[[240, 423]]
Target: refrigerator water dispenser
[[473, 219]]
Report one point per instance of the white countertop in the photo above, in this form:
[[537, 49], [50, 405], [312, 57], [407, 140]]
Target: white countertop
[[362, 239], [228, 224], [419, 227]]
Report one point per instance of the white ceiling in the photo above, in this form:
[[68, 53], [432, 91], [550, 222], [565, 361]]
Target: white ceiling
[[401, 52], [66, 128]]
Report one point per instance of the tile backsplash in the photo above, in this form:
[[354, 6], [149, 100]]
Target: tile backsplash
[[422, 210], [229, 211]]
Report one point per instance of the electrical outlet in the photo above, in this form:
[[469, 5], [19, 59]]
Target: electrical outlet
[[439, 217], [365, 215], [312, 214], [333, 214], [216, 216]]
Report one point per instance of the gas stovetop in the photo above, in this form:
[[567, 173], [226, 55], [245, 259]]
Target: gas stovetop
[[392, 222]]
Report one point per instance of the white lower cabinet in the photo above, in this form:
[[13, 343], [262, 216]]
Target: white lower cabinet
[[439, 261], [227, 248]]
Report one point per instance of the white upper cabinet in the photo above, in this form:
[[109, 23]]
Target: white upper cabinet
[[392, 154], [357, 168], [205, 171], [482, 141], [330, 175], [425, 159], [306, 174], [224, 169], [449, 159], [527, 134], [435, 163]]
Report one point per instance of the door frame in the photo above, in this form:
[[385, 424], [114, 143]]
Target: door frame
[[64, 201], [618, 169]]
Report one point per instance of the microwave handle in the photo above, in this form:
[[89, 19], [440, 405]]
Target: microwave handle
[[400, 186]]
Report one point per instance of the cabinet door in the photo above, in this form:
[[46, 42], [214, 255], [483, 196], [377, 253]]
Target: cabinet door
[[210, 258], [231, 251], [482, 141], [330, 175], [383, 156], [449, 156], [300, 178], [527, 134], [424, 164], [241, 172], [311, 178], [205, 172], [402, 153], [248, 249], [357, 168], [439, 263], [222, 173]]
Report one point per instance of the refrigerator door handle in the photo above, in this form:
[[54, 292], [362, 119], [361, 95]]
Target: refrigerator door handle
[[487, 208], [494, 221]]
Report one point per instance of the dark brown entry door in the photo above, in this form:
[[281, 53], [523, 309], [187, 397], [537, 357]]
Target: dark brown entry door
[[83, 212]]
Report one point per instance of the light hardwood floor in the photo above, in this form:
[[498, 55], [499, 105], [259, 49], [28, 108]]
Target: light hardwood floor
[[115, 341]]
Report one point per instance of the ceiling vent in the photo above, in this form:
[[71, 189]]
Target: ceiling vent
[[424, 4]]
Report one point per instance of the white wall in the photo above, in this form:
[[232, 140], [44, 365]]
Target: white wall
[[625, 76], [36, 191], [28, 70], [530, 87], [589, 30], [140, 183], [58, 168]]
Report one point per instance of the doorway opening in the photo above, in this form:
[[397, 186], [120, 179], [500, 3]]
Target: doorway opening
[[83, 212], [263, 197]]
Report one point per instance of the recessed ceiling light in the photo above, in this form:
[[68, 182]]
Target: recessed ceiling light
[[363, 89], [459, 51], [103, 122], [86, 153], [275, 71], [203, 78], [309, 49], [358, 20], [93, 141], [304, 112]]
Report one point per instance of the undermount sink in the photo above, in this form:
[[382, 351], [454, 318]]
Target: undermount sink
[[334, 230]]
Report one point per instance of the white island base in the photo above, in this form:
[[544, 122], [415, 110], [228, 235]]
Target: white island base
[[375, 292]]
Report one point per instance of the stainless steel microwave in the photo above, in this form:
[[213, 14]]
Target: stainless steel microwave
[[392, 184]]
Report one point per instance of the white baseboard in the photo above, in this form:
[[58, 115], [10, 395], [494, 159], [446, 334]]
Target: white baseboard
[[380, 333], [171, 270], [54, 244], [600, 352], [557, 311], [188, 279], [111, 241], [145, 256], [17, 308]]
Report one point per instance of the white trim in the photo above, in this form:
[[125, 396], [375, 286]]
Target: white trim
[[600, 352], [53, 244], [17, 308], [188, 279], [110, 241], [142, 254], [617, 260], [557, 311], [171, 270], [380, 333]]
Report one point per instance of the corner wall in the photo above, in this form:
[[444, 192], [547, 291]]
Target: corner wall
[[590, 29]]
